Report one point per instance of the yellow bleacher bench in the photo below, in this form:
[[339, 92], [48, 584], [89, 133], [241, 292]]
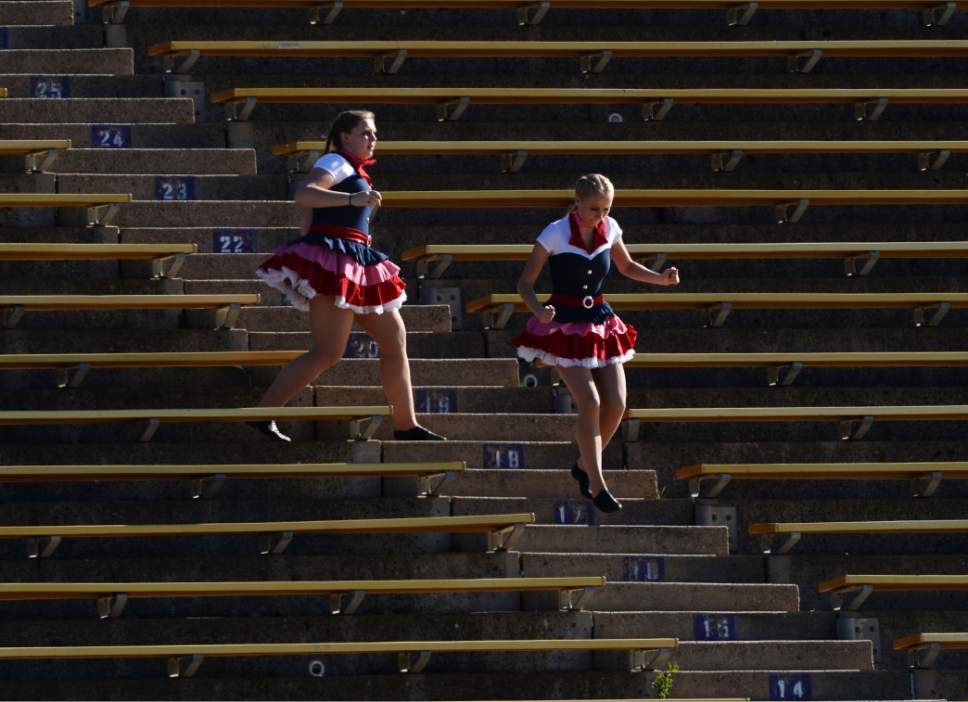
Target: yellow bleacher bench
[[39, 154], [356, 416], [789, 205], [925, 477], [860, 587], [853, 422], [724, 155], [783, 368], [498, 307], [412, 656], [101, 208], [227, 306], [859, 257], [923, 649], [451, 103], [503, 530], [933, 12], [158, 254], [207, 479], [389, 56], [345, 596], [794, 531], [3, 92]]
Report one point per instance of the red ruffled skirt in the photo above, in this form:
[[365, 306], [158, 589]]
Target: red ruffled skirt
[[577, 343], [302, 271]]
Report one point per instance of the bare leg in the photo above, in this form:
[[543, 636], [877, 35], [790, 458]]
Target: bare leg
[[389, 332], [610, 382], [330, 327], [582, 387]]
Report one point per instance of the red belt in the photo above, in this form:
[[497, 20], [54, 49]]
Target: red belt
[[587, 302], [339, 232]]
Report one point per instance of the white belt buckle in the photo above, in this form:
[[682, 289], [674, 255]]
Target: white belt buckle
[[588, 302]]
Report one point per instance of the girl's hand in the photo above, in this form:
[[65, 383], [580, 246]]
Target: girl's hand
[[547, 314], [670, 276], [366, 198]]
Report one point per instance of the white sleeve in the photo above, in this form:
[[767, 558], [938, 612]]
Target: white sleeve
[[549, 238], [335, 165], [614, 231]]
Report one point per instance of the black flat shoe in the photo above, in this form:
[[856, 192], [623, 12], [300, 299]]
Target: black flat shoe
[[269, 429], [417, 433], [606, 503], [583, 482]]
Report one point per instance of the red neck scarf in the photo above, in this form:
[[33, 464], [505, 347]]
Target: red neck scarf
[[359, 164], [598, 233]]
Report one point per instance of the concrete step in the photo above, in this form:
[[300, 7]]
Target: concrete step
[[532, 484], [97, 110], [84, 134], [423, 318], [419, 345], [569, 507], [211, 213], [497, 427], [88, 340], [222, 266], [82, 36], [425, 371], [542, 684], [88, 85], [489, 454], [36, 12], [269, 296], [729, 624], [208, 239], [179, 186], [632, 597], [118, 62], [624, 539], [652, 568], [59, 235], [174, 161]]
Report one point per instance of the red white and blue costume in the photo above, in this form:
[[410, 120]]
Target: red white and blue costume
[[334, 257], [586, 331]]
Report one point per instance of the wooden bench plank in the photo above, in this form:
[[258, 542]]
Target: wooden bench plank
[[65, 252], [945, 640], [793, 531], [3, 92], [62, 199], [502, 530], [818, 359], [799, 414], [48, 303], [227, 414], [27, 147], [570, 4], [148, 359], [897, 583]]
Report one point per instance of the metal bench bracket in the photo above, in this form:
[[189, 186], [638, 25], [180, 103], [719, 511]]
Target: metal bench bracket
[[42, 547], [513, 161], [102, 214], [656, 110], [175, 666], [573, 600], [114, 12], [240, 110], [924, 656], [766, 543], [722, 480], [741, 15], [408, 662], [939, 312], [792, 371], [643, 660], [434, 266], [631, 428], [726, 161], [717, 314], [499, 318], [430, 485], [274, 544], [869, 260], [226, 316], [40, 161], [595, 63], [150, 430], [208, 486], [791, 211], [364, 433], [111, 606], [926, 485], [939, 16], [933, 160], [871, 110], [80, 373], [396, 59], [533, 14], [12, 316], [452, 110], [804, 62], [178, 260], [504, 539], [187, 58], [333, 10], [336, 605], [849, 432]]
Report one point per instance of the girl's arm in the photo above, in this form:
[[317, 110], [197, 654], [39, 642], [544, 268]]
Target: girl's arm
[[314, 192], [532, 269], [636, 271]]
